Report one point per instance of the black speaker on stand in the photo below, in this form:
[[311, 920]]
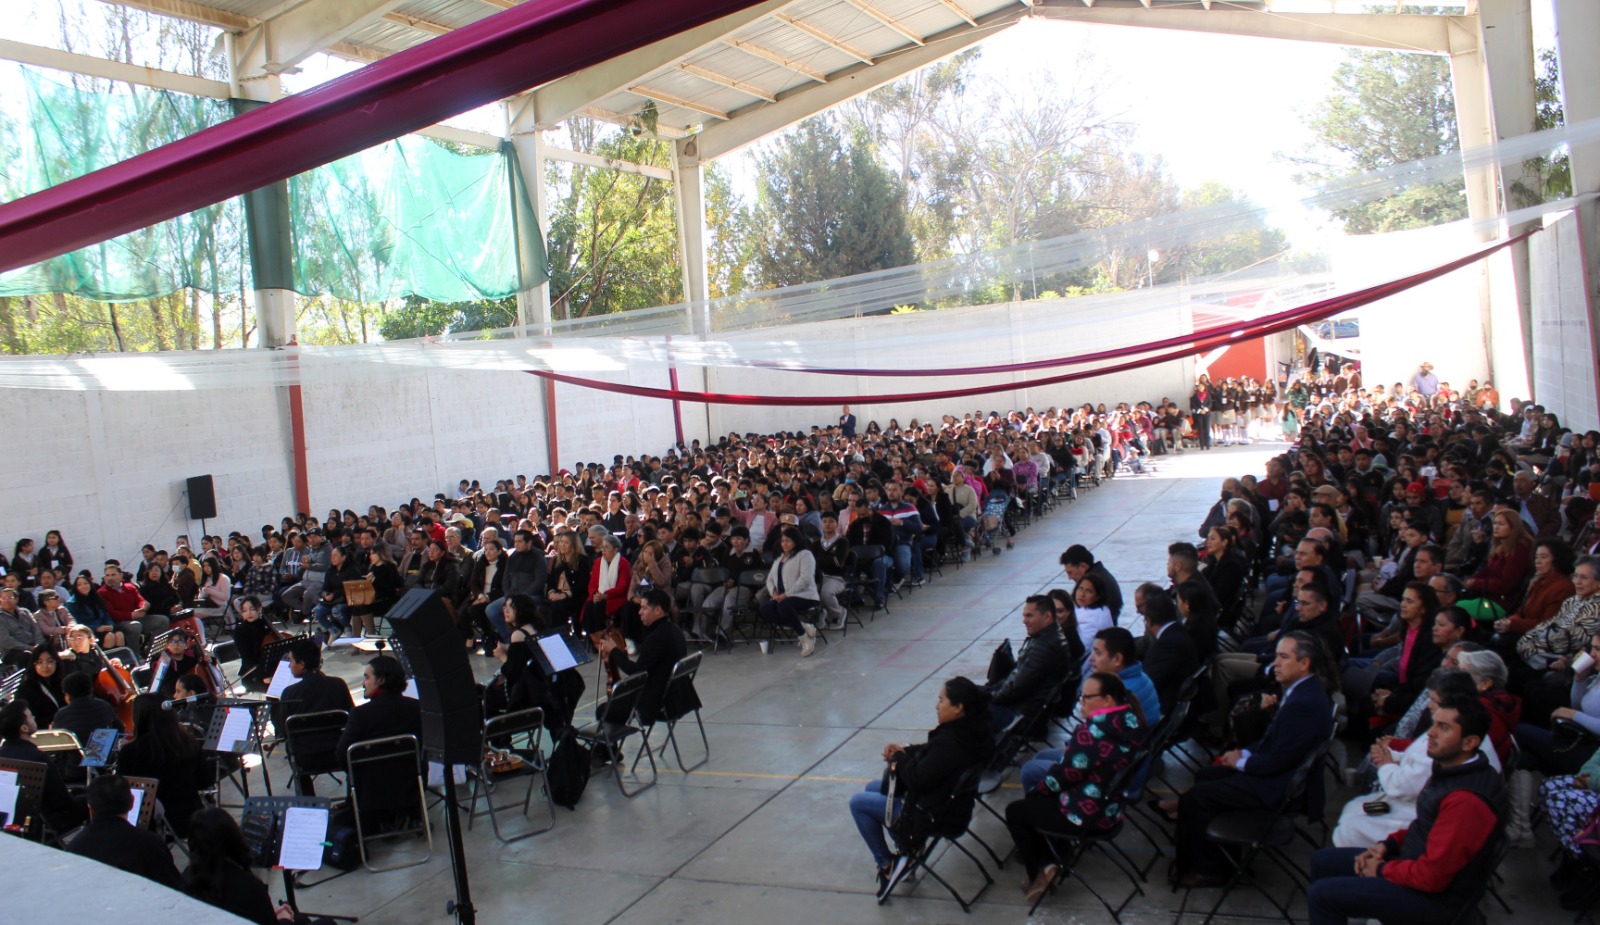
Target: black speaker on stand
[[452, 713], [202, 493]]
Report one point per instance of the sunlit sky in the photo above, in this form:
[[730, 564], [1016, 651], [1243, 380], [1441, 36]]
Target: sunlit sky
[[1214, 107]]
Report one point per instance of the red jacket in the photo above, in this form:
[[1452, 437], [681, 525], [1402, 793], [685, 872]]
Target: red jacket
[[121, 602], [1501, 577], [618, 595], [1462, 830]]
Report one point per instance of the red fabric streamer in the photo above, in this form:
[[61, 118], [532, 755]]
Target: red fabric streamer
[[527, 45], [1192, 343], [1229, 331]]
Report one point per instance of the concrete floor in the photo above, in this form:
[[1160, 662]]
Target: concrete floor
[[761, 833]]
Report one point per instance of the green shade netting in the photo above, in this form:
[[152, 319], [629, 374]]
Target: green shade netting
[[409, 217]]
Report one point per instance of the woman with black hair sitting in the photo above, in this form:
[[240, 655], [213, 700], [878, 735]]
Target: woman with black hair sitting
[[927, 773]]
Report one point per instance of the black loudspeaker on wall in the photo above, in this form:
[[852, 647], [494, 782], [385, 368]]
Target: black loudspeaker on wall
[[202, 498], [452, 713]]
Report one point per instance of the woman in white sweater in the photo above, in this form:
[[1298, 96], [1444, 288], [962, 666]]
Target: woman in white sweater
[[1402, 773], [792, 587]]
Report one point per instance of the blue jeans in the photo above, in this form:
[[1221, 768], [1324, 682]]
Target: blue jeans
[[496, 612], [867, 809], [880, 576], [908, 561], [332, 618], [1337, 894], [1037, 767]]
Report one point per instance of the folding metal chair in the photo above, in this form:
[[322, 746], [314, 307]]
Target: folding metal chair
[[713, 578], [130, 659], [921, 857], [622, 701], [1258, 833], [308, 740], [526, 726], [683, 675], [1076, 845], [861, 584], [372, 764]]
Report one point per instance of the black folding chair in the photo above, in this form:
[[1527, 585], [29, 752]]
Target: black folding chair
[[712, 578], [1068, 850], [308, 741], [520, 731], [860, 584], [682, 680], [623, 701], [380, 775], [942, 831], [1265, 833], [747, 617]]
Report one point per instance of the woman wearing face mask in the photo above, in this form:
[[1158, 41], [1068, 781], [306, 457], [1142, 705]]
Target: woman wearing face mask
[[1072, 797]]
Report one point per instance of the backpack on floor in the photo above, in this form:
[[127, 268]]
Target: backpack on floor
[[568, 770]]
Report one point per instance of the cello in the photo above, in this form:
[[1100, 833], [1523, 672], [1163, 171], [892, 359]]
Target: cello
[[115, 684]]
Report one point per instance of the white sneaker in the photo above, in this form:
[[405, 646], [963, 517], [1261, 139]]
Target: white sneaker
[[810, 628], [808, 645]]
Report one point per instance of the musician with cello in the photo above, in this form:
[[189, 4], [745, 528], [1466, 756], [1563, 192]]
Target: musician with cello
[[253, 634], [109, 678], [184, 653]]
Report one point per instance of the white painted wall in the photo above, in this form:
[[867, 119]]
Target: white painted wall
[[970, 337], [1563, 332], [1438, 321]]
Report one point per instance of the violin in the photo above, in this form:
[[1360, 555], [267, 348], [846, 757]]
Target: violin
[[115, 684]]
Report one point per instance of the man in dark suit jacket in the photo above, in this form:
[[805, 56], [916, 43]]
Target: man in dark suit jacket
[[660, 649], [114, 841], [1171, 657], [1078, 561], [315, 692], [1258, 777], [17, 727], [847, 423], [385, 793]]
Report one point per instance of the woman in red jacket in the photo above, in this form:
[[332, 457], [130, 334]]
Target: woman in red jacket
[[1553, 561], [1510, 561], [608, 585]]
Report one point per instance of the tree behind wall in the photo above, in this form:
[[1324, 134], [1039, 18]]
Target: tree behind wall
[[1388, 108], [826, 208]]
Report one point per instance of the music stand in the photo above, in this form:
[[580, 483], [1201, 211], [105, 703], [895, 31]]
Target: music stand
[[236, 727], [264, 825], [144, 789], [29, 791]]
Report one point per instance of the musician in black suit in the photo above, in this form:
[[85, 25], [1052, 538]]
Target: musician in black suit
[[17, 727], [1255, 778], [387, 712], [1171, 657], [385, 793], [114, 841], [658, 650], [315, 692]]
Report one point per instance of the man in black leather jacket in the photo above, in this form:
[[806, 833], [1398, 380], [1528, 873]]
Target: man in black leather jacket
[[1042, 664]]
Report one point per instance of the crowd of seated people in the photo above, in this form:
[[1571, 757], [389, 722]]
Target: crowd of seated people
[[618, 552], [1415, 578]]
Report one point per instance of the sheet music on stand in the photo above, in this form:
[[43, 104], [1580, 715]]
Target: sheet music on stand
[[286, 833], [10, 795], [138, 804], [97, 751], [557, 652], [235, 725], [281, 679]]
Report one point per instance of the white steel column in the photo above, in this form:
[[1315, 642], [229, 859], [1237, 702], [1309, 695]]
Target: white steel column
[[1578, 49], [1505, 28], [1501, 307], [533, 305], [688, 188]]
